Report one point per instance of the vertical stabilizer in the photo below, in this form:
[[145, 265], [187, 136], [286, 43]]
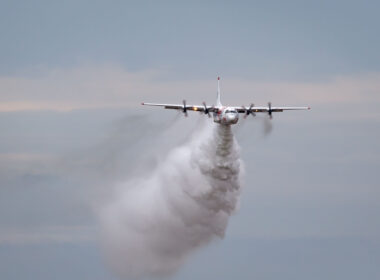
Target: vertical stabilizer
[[218, 102]]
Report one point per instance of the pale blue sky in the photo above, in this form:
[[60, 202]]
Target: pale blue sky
[[72, 74], [262, 39]]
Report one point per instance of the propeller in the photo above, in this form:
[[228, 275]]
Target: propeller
[[207, 110], [249, 111], [184, 110], [270, 110]]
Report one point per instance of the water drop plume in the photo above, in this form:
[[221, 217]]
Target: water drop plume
[[267, 126], [154, 222]]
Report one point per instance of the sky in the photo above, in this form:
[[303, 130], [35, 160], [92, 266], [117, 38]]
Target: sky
[[73, 75]]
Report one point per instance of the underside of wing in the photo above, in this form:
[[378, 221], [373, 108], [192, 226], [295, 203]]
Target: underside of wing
[[268, 109], [166, 106], [280, 109], [183, 107]]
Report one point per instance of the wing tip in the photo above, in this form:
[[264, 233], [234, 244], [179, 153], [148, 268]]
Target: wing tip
[[309, 108], [142, 103], [218, 78]]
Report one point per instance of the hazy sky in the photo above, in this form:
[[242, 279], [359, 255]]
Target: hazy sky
[[72, 76]]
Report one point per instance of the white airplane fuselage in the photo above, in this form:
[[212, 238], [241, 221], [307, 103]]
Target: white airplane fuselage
[[226, 116]]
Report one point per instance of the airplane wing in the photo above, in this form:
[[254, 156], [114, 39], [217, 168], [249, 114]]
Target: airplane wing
[[268, 109], [184, 107]]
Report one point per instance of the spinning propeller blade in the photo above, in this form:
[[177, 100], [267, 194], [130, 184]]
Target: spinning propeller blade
[[249, 111], [184, 110], [270, 110], [207, 111]]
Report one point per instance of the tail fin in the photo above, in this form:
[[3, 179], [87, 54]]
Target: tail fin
[[218, 102]]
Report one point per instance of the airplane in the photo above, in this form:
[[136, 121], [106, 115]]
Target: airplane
[[225, 115]]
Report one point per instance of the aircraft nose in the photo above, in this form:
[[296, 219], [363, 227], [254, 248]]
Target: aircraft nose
[[236, 117], [233, 118]]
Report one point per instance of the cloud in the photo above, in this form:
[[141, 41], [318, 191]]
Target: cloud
[[67, 89], [107, 86]]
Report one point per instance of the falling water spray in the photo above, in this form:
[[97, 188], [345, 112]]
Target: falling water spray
[[154, 222]]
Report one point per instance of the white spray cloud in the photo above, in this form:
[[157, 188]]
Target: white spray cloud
[[155, 221]]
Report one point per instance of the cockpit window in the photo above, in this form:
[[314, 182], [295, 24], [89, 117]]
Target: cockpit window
[[230, 111]]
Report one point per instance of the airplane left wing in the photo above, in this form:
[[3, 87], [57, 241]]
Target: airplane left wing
[[268, 109]]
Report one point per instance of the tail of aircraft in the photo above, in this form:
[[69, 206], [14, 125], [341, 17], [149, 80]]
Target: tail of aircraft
[[218, 102]]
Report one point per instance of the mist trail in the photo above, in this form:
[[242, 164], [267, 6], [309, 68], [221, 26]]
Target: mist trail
[[154, 222]]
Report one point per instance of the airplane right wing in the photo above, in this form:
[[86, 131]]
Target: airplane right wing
[[184, 108]]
